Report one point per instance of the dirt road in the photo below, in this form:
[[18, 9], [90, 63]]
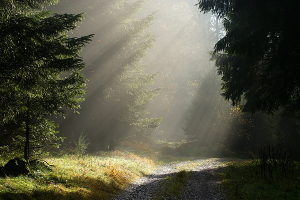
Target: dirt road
[[203, 182]]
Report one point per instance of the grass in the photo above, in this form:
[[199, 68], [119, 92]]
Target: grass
[[241, 182], [173, 185], [78, 177]]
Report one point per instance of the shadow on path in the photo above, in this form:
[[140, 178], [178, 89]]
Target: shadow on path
[[203, 184]]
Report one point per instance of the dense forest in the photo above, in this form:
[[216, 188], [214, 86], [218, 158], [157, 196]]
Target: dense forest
[[98, 93]]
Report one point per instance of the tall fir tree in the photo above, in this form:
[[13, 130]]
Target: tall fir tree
[[40, 72]]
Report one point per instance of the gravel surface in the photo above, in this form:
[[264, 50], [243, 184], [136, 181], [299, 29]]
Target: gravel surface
[[203, 183]]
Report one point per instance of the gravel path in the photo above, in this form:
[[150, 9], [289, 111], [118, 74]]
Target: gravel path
[[203, 183]]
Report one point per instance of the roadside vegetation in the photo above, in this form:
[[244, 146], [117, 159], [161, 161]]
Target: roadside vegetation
[[74, 177], [243, 180]]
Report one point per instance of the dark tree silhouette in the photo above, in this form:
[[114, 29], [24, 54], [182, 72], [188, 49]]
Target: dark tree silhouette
[[258, 56]]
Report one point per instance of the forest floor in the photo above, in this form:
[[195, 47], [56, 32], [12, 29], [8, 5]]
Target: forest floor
[[127, 176], [98, 177]]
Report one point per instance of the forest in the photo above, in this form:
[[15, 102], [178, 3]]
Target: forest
[[149, 100]]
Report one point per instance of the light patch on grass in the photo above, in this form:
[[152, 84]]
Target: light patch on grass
[[78, 177], [207, 163], [189, 166]]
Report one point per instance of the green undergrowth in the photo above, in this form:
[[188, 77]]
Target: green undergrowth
[[78, 177], [242, 182], [173, 185]]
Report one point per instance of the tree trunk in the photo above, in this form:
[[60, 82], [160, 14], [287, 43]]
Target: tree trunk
[[27, 134]]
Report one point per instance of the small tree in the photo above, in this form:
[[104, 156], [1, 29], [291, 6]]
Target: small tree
[[82, 144], [40, 73]]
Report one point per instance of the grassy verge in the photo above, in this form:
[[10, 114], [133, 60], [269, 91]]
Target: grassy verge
[[173, 185], [241, 182], [78, 177]]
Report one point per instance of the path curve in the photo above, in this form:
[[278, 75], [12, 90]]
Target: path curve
[[203, 183]]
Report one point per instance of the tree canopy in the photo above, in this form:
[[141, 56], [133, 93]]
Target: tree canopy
[[258, 56]]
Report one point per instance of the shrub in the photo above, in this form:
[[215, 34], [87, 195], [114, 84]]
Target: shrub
[[81, 145]]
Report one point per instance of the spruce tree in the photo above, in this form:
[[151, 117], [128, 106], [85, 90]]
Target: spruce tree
[[40, 72], [258, 56]]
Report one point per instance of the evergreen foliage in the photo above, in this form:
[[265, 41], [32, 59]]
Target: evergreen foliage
[[10, 7], [40, 74], [135, 86], [258, 56], [81, 145]]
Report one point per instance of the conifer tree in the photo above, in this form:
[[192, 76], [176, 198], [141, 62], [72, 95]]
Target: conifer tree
[[258, 56], [40, 71]]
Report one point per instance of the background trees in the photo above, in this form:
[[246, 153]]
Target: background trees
[[119, 85], [257, 58], [40, 74], [125, 73]]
